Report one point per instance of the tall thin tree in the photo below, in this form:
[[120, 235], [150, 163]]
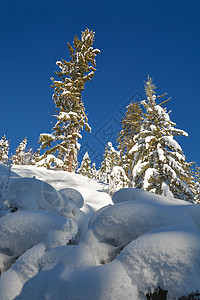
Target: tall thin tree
[[71, 116]]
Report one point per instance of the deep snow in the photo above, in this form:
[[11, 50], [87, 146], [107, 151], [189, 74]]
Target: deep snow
[[69, 240]]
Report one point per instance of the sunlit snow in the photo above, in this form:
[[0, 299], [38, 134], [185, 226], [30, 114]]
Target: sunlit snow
[[63, 237]]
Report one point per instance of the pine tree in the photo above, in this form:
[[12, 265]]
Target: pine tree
[[197, 184], [130, 127], [94, 171], [22, 156], [159, 164], [85, 168], [4, 151], [111, 158], [118, 180], [71, 117]]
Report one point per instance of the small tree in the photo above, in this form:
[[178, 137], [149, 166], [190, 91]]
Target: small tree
[[71, 116], [85, 168], [4, 151], [197, 184], [94, 171], [111, 158], [23, 156], [159, 164], [118, 179]]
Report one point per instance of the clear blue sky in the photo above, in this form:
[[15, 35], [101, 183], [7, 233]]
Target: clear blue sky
[[136, 38]]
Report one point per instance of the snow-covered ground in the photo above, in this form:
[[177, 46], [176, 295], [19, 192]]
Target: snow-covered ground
[[62, 237]]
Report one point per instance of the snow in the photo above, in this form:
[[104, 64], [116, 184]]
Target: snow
[[70, 240]]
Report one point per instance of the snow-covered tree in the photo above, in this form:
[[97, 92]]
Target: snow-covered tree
[[94, 171], [130, 127], [118, 180], [159, 164], [4, 150], [71, 116], [111, 158], [197, 184], [50, 161], [23, 156], [85, 168]]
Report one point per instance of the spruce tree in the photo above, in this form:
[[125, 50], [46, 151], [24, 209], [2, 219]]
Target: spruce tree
[[111, 158], [118, 180], [71, 116], [22, 156], [197, 184], [4, 151], [130, 127], [85, 168], [94, 171], [159, 164]]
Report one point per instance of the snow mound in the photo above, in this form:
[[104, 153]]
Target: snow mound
[[133, 194], [168, 258], [22, 230], [88, 282], [31, 193], [121, 223], [72, 195]]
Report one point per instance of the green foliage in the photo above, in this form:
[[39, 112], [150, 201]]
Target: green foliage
[[71, 117], [130, 127]]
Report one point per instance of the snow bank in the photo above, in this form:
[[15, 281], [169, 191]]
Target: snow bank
[[129, 249], [118, 225], [83, 283], [133, 194], [22, 230], [31, 193], [168, 258]]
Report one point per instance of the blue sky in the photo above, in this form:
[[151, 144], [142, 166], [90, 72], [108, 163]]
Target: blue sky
[[136, 38]]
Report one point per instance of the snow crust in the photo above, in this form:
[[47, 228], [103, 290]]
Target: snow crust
[[50, 249]]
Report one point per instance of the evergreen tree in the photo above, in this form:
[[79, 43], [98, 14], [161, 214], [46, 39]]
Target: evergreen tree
[[197, 184], [71, 117], [159, 164], [130, 127], [94, 171], [22, 156], [118, 179], [49, 161], [4, 151], [111, 158], [85, 168]]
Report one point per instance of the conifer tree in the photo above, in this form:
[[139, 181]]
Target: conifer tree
[[111, 158], [197, 184], [118, 180], [130, 127], [71, 116], [4, 151], [94, 171], [159, 164], [85, 168], [22, 156]]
